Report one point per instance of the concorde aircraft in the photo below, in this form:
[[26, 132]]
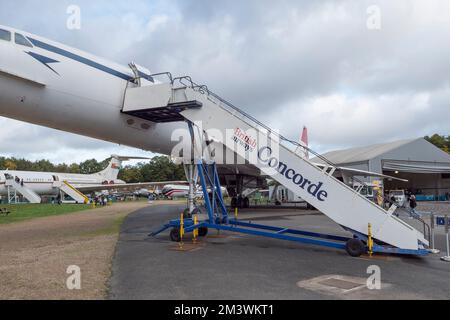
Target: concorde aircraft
[[53, 85]]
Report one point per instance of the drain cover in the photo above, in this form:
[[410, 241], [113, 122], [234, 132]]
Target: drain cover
[[343, 287], [340, 284], [333, 284]]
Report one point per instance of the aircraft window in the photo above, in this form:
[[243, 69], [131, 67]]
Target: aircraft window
[[20, 39], [5, 35]]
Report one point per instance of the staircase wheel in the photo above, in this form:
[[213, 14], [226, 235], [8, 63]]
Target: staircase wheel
[[234, 202], [246, 203], [202, 232], [187, 214], [175, 235], [239, 202], [355, 247]]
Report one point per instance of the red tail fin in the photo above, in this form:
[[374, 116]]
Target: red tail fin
[[304, 140]]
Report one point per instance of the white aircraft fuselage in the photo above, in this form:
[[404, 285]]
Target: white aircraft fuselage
[[45, 183], [179, 191], [49, 84]]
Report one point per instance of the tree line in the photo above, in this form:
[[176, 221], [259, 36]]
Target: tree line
[[160, 168], [442, 142]]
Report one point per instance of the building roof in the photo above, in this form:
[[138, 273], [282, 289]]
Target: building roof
[[364, 154], [413, 156]]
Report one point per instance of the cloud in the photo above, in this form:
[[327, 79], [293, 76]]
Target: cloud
[[32, 142], [290, 63], [336, 119]]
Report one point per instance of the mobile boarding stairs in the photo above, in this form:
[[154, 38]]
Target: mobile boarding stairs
[[13, 187], [374, 229], [66, 188]]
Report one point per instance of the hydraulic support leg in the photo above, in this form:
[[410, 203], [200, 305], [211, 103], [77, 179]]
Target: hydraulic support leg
[[190, 171]]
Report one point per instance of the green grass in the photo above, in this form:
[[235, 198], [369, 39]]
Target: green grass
[[112, 228], [22, 212]]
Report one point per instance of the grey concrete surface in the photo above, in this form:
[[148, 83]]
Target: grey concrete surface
[[441, 208], [247, 267]]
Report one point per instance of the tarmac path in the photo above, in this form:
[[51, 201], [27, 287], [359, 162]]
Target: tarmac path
[[233, 266]]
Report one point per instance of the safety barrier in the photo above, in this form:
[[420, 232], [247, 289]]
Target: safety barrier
[[444, 221]]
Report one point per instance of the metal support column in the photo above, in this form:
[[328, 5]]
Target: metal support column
[[9, 195], [208, 204], [189, 171]]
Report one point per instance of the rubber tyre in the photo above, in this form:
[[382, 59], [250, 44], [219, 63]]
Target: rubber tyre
[[202, 232], [355, 247], [246, 203], [175, 235], [187, 214], [233, 203], [239, 203]]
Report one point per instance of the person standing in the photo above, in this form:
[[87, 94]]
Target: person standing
[[413, 205], [393, 200]]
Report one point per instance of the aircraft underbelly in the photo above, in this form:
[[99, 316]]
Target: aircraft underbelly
[[23, 77], [58, 110]]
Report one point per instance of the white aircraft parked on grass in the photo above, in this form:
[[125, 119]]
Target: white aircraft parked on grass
[[32, 185]]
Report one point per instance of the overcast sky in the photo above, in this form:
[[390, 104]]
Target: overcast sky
[[287, 62]]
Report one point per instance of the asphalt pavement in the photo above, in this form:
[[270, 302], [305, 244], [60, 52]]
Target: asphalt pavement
[[234, 266]]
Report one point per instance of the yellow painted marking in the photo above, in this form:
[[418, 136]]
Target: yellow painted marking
[[370, 240], [195, 232]]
